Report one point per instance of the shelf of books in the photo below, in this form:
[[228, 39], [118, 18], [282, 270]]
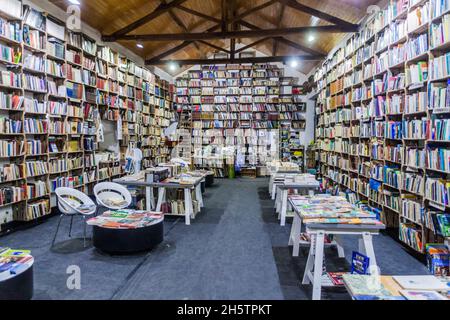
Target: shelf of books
[[384, 117], [56, 87], [238, 107]]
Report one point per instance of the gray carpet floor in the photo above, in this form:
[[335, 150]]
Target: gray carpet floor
[[234, 249]]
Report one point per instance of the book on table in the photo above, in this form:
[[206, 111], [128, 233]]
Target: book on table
[[365, 285], [422, 283], [422, 295]]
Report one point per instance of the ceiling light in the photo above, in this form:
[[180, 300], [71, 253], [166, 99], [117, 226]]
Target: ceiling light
[[311, 38], [74, 2], [293, 63], [173, 66], [139, 45]]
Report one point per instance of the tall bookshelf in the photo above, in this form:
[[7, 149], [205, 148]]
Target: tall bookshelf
[[240, 106], [56, 86], [383, 115]]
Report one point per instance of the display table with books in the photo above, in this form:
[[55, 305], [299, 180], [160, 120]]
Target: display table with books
[[127, 231], [16, 274], [298, 183], [415, 287], [324, 215], [189, 182]]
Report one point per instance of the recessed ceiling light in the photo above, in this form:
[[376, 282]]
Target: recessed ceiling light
[[74, 2], [293, 63], [139, 45], [311, 38]]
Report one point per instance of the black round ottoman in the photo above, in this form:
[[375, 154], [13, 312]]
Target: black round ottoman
[[124, 241], [19, 286]]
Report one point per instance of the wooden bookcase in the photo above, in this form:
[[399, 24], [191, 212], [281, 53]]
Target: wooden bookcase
[[239, 106], [378, 114], [56, 87]]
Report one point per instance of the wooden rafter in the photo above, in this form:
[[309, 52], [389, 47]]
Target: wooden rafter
[[224, 15], [214, 46], [230, 34], [181, 46], [283, 40], [198, 14], [278, 25], [316, 13], [181, 24], [167, 53], [161, 9], [236, 60], [252, 10], [231, 13], [253, 44]]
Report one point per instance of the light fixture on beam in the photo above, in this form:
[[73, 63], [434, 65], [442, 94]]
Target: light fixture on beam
[[140, 45], [74, 2], [293, 63], [173, 66], [311, 38]]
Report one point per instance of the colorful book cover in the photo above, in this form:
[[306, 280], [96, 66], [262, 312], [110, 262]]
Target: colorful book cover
[[369, 297], [422, 295], [360, 263], [336, 278], [15, 253], [365, 285]]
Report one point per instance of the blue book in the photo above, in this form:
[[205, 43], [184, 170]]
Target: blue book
[[368, 297]]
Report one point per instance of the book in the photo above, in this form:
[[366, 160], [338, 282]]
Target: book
[[360, 263], [15, 253], [371, 297], [336, 278], [365, 285], [422, 295], [421, 283]]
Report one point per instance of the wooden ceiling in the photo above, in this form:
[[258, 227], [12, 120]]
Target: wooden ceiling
[[109, 16]]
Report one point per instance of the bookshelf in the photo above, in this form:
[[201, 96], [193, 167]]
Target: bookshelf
[[383, 111], [239, 108], [56, 87]]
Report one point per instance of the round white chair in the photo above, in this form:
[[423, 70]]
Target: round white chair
[[112, 195], [72, 202]]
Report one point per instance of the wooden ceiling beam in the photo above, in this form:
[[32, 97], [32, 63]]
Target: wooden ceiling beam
[[167, 53], [224, 15], [316, 13], [278, 25], [252, 10], [198, 14], [296, 45], [214, 46], [181, 46], [236, 60], [180, 24], [161, 9], [230, 34], [284, 40], [233, 26], [253, 44]]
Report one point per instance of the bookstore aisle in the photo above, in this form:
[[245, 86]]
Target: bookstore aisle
[[234, 250]]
